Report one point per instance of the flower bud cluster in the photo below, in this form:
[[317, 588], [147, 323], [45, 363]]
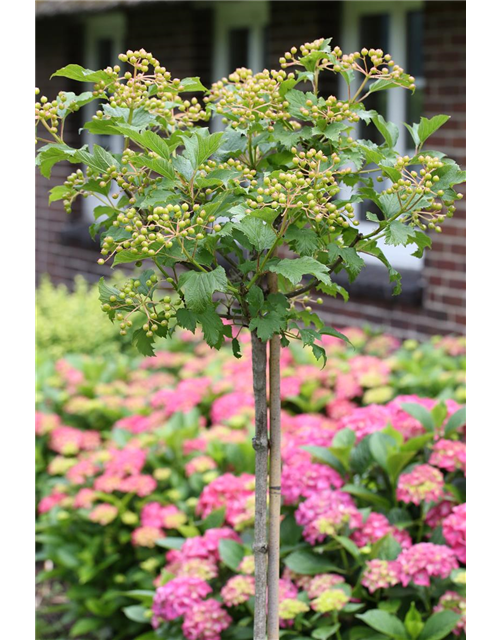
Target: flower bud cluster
[[245, 98]]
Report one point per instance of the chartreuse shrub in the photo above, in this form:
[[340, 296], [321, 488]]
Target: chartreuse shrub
[[213, 213], [137, 462]]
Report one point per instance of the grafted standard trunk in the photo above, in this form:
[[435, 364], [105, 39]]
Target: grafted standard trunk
[[260, 444]]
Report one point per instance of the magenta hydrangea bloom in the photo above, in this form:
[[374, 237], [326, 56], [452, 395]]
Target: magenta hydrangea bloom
[[178, 597], [436, 514], [146, 536], [230, 405], [377, 526], [238, 590], [229, 491], [366, 420], [129, 460], [322, 582], [200, 464], [46, 422], [49, 502], [304, 479], [205, 621], [141, 484], [327, 513], [449, 455], [423, 484], [103, 514], [381, 574], [425, 560], [454, 531], [84, 499]]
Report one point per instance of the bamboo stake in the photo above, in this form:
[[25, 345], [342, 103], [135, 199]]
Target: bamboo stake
[[274, 479], [260, 444]]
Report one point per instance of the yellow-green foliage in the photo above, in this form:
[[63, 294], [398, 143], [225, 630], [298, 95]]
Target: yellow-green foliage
[[72, 322]]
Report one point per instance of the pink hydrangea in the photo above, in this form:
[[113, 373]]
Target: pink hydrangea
[[204, 568], [347, 386], [449, 455], [229, 491], [205, 621], [322, 582], [230, 405], [107, 483], [366, 420], [146, 536], [382, 345], [201, 464], [129, 460], [196, 445], [338, 408], [370, 371], [84, 499], [238, 590], [436, 514], [68, 440], [46, 422], [50, 501], [377, 526], [425, 560], [81, 471], [134, 424], [454, 531], [327, 513], [423, 484], [141, 484], [453, 601], [381, 574], [304, 479], [153, 514], [178, 597], [205, 546], [103, 514]]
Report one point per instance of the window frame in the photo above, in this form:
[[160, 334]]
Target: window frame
[[111, 26], [236, 15], [352, 13]]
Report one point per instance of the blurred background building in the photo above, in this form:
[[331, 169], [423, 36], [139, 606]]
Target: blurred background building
[[209, 39]]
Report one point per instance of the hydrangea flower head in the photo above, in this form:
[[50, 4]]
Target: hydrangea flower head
[[381, 574], [327, 513], [322, 582], [289, 608], [454, 531], [449, 455], [237, 590], [303, 479], [330, 600], [200, 465], [453, 601], [103, 513], [206, 621], [423, 484], [146, 536], [425, 560], [178, 597]]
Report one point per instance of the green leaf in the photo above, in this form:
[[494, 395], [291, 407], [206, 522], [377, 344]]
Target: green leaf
[[255, 299], [323, 633], [420, 413], [171, 542], [294, 270], [156, 143], [427, 127], [191, 84], [397, 233], [59, 193], [455, 421], [199, 286], [380, 448], [325, 455], [231, 553], [212, 326], [186, 319], [333, 289], [267, 325], [386, 548], [260, 234], [384, 622], [137, 613], [422, 241], [367, 495], [396, 462], [351, 260], [76, 72], [142, 343], [413, 622], [308, 563], [348, 545], [50, 154], [302, 241], [85, 626], [200, 146], [389, 130], [439, 625], [159, 165], [413, 129], [290, 532]]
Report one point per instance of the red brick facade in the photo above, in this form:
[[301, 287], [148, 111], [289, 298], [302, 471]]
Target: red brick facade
[[180, 34]]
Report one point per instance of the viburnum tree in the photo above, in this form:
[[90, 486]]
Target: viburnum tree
[[236, 228]]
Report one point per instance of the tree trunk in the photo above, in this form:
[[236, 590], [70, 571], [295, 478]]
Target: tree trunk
[[274, 480], [260, 444]]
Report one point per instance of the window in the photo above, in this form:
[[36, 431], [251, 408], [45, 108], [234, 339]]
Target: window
[[104, 41], [239, 38], [397, 28]]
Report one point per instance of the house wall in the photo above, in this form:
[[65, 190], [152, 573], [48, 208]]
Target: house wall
[[179, 34]]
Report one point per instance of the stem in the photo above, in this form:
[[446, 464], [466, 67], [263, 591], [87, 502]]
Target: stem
[[274, 478], [260, 445]]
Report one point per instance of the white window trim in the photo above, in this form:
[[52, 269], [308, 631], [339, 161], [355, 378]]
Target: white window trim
[[113, 26], [236, 15], [400, 257]]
